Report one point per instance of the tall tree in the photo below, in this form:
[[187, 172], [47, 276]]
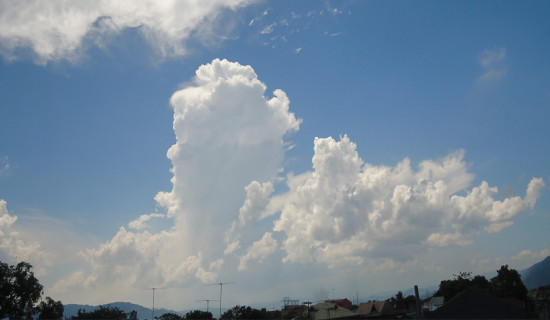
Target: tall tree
[[244, 312], [507, 283], [19, 291], [104, 312], [198, 315], [480, 283], [399, 295], [133, 315], [170, 316], [450, 288], [50, 309]]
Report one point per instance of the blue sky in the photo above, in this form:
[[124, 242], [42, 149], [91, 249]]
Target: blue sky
[[291, 147]]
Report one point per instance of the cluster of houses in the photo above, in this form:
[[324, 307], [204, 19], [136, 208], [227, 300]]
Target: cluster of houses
[[470, 304], [344, 309]]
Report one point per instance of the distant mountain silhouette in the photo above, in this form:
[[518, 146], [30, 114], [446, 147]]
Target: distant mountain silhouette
[[533, 277], [537, 275], [143, 313]]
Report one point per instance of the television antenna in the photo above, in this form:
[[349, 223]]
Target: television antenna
[[207, 303], [153, 311], [221, 290]]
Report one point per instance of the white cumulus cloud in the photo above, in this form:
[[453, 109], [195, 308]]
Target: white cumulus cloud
[[58, 29], [15, 248], [530, 257], [346, 211], [256, 200], [229, 211], [259, 250], [141, 222], [229, 135]]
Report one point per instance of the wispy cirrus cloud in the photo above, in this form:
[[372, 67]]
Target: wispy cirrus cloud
[[493, 66], [5, 166], [281, 28]]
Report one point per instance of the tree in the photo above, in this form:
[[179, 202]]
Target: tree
[[104, 312], [197, 314], [133, 315], [50, 309], [243, 312], [450, 288], [507, 283], [19, 291], [480, 283], [170, 316], [399, 295]]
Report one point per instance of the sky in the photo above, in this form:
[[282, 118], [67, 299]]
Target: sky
[[302, 149]]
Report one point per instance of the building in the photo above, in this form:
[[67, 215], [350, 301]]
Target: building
[[330, 310]]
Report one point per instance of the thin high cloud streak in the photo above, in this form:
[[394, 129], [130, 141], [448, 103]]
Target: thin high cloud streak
[[493, 65], [230, 215], [56, 30]]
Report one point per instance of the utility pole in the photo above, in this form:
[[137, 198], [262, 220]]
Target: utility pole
[[417, 297], [307, 303]]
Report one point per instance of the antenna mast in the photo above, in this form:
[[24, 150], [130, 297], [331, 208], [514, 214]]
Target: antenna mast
[[207, 303], [221, 290], [153, 311]]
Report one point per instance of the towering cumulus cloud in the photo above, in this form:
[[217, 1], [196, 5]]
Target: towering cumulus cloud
[[231, 210], [228, 133]]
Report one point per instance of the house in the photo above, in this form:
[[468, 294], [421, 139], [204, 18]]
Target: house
[[375, 309], [405, 305], [432, 303], [344, 303], [474, 304], [330, 310], [293, 311]]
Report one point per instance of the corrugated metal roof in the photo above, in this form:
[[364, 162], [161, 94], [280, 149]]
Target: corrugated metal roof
[[330, 310]]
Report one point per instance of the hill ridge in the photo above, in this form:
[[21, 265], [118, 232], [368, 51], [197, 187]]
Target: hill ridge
[[533, 277]]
